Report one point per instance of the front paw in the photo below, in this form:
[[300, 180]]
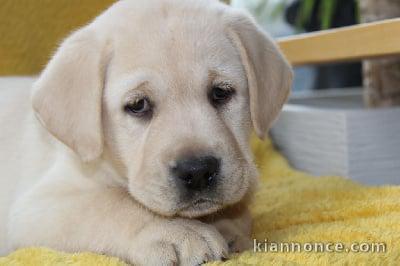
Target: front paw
[[178, 242], [237, 238]]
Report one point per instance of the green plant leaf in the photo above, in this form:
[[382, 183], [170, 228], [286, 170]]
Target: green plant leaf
[[306, 8], [326, 12]]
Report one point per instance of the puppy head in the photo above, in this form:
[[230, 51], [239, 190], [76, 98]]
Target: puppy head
[[167, 92]]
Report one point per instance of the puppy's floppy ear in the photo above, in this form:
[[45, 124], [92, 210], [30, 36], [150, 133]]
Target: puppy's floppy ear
[[269, 75], [67, 95]]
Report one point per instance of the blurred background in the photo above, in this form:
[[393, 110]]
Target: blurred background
[[289, 17], [284, 17]]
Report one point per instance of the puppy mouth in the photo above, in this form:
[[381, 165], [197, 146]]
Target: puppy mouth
[[201, 201], [199, 207]]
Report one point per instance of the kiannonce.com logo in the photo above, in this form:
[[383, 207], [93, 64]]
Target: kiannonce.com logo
[[330, 247]]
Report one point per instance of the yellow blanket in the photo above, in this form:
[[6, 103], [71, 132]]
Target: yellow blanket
[[293, 209]]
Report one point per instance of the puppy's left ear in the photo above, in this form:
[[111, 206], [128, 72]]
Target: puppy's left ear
[[269, 75], [68, 94]]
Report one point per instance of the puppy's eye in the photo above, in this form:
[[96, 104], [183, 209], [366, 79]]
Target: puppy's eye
[[220, 95], [141, 107]]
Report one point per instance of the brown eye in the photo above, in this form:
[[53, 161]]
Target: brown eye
[[221, 95], [140, 107]]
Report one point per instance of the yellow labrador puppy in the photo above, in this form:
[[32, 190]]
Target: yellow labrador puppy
[[137, 144]]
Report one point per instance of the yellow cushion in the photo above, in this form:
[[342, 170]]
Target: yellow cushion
[[31, 29], [291, 206]]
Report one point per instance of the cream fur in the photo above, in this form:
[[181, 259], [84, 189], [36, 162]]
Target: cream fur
[[89, 177]]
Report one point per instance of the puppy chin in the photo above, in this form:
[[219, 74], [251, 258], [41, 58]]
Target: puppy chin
[[202, 207], [199, 208], [156, 206]]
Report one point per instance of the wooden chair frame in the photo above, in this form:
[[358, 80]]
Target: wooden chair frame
[[352, 43]]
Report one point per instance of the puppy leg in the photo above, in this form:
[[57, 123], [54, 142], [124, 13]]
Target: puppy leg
[[87, 217], [234, 224], [182, 241]]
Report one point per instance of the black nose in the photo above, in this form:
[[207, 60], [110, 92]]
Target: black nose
[[197, 173]]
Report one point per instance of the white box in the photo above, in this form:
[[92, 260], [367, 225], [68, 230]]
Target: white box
[[332, 134]]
